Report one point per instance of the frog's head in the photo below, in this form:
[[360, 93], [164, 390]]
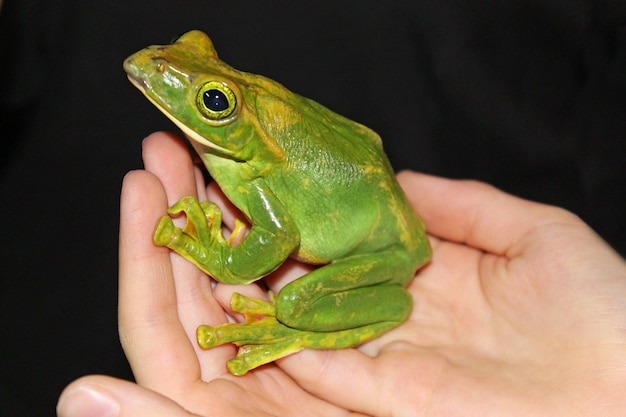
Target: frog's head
[[212, 103]]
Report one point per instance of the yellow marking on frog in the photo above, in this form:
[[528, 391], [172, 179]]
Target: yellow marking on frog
[[339, 298], [335, 216], [242, 190]]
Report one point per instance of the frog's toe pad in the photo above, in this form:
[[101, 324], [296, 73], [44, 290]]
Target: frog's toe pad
[[237, 366], [207, 336], [165, 231]]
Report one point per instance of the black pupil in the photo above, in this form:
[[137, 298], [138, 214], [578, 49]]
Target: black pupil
[[215, 100]]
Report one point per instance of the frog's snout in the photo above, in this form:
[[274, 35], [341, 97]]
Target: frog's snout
[[130, 67]]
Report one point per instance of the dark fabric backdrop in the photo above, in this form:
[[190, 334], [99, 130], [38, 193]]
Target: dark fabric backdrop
[[529, 96]]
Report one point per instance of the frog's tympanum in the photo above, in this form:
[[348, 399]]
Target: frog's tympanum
[[311, 184]]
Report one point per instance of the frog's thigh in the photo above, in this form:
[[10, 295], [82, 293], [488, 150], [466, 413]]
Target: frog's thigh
[[348, 293]]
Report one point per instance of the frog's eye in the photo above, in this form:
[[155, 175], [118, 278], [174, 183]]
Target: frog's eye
[[216, 101]]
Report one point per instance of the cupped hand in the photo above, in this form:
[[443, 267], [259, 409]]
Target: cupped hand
[[162, 299], [522, 312]]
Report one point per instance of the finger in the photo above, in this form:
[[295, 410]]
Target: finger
[[151, 333], [167, 157], [372, 386], [325, 374], [106, 396], [476, 213], [201, 189]]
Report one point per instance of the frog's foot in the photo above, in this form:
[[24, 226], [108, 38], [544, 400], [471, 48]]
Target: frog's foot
[[203, 223], [260, 341], [202, 234], [263, 339], [268, 340], [260, 323]]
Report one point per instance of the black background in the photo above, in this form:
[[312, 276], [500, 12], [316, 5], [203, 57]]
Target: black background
[[529, 96]]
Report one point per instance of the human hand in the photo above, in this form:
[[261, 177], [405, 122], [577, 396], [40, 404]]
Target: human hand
[[522, 312], [521, 317], [162, 300]]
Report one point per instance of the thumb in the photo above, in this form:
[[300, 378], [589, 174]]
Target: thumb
[[401, 377], [103, 396], [346, 378]]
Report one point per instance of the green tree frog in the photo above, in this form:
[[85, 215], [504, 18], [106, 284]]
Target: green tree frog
[[311, 184]]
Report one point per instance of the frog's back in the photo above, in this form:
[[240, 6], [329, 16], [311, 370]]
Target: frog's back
[[338, 184]]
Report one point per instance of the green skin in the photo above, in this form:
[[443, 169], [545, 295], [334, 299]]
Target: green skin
[[313, 185]]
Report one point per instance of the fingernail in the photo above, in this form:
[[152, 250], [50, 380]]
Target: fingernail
[[88, 402]]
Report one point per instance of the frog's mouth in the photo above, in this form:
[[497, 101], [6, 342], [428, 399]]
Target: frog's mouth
[[191, 134]]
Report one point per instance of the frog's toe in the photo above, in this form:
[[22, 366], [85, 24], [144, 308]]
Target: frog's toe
[[251, 307], [165, 231], [183, 205], [238, 366], [207, 336], [252, 356]]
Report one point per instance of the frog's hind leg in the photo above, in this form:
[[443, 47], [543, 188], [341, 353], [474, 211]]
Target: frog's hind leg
[[349, 293], [254, 355], [263, 339], [339, 305]]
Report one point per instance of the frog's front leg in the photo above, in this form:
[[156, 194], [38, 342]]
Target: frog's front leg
[[272, 237]]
